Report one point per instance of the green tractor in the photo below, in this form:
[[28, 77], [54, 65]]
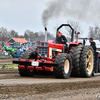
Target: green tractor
[[10, 50]]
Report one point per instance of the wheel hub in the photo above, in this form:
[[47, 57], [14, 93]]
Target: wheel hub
[[89, 62], [66, 66]]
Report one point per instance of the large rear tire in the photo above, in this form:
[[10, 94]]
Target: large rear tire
[[63, 70], [87, 61], [75, 53]]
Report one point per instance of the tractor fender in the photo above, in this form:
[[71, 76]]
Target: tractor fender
[[73, 44]]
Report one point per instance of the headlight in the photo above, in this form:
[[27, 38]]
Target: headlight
[[45, 55], [39, 54]]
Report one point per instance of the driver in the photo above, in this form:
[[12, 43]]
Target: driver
[[60, 39]]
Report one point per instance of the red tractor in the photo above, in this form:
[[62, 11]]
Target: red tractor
[[78, 60]]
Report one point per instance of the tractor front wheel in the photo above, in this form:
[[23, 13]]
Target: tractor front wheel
[[29, 54], [63, 70], [24, 72]]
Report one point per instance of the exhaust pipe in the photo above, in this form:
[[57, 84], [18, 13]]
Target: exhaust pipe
[[45, 34]]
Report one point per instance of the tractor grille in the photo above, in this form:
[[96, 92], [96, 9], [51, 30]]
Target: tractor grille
[[43, 51]]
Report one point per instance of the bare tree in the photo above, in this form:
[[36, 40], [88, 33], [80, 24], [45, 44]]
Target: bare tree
[[75, 25], [3, 34], [12, 33], [94, 32], [91, 32], [29, 35]]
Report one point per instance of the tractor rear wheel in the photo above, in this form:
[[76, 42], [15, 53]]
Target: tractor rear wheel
[[87, 61], [63, 70], [75, 53]]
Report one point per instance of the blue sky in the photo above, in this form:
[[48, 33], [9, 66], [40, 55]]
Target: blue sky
[[21, 15]]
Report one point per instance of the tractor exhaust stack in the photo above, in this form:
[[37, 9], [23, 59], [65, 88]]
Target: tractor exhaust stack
[[45, 34]]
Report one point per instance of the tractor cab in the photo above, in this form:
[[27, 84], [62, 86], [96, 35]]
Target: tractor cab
[[66, 45], [67, 25]]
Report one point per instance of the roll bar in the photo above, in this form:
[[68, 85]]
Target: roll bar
[[72, 35]]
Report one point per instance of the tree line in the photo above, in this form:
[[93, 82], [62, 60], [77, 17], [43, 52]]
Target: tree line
[[28, 35], [94, 31], [40, 36]]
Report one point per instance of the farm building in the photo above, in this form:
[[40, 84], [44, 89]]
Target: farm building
[[21, 40]]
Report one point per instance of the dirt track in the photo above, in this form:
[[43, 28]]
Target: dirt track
[[46, 87], [7, 61], [49, 88]]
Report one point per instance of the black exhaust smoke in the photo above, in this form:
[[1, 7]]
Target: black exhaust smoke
[[45, 34], [45, 28]]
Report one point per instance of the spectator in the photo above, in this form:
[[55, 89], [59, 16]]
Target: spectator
[[93, 44]]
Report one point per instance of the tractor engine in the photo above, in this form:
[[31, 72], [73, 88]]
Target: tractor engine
[[48, 50]]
